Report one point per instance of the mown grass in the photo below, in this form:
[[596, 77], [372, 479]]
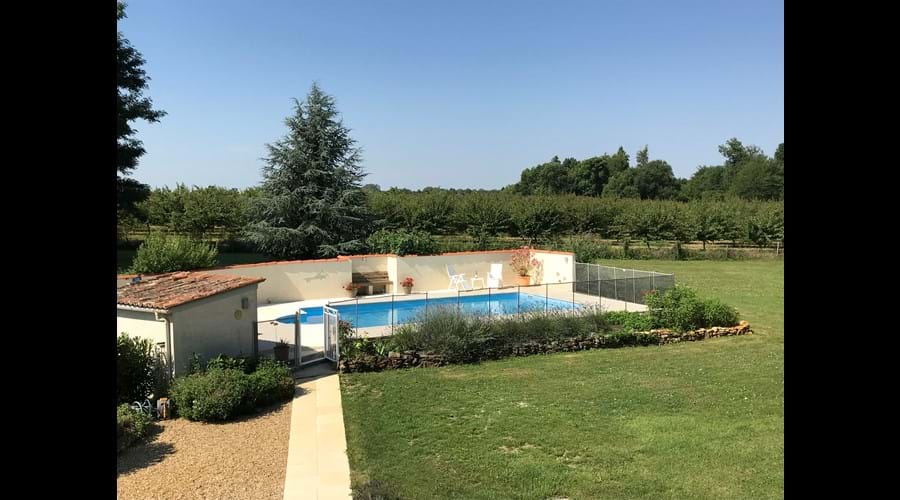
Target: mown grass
[[693, 420]]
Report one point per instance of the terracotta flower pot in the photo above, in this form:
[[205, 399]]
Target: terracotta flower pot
[[524, 280], [281, 352]]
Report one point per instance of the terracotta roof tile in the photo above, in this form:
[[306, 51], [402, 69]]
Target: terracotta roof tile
[[165, 291]]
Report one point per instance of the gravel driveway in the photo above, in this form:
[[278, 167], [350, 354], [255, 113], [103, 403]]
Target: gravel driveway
[[245, 458]]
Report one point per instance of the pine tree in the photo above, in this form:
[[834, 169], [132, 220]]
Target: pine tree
[[618, 162], [642, 157], [131, 104], [311, 203]]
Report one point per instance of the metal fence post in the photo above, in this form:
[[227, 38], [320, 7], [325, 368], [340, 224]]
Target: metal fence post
[[298, 348], [633, 287], [546, 297], [357, 314], [615, 285], [489, 304], [392, 313], [458, 308], [518, 299]]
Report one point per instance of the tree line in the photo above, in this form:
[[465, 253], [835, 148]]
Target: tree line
[[746, 172], [482, 215], [312, 201]]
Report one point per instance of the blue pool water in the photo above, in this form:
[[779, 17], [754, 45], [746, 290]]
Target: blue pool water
[[380, 313]]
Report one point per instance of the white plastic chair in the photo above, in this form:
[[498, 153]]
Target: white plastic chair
[[456, 279], [495, 277]]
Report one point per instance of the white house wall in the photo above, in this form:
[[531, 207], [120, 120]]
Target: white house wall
[[208, 326], [140, 324]]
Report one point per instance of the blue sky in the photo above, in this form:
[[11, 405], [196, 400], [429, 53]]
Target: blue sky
[[457, 94]]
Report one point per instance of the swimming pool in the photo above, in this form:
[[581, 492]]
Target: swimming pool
[[402, 311]]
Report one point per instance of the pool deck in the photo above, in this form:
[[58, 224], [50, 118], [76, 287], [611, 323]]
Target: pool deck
[[312, 335]]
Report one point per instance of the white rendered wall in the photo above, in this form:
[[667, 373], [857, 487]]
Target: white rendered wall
[[140, 324], [297, 280], [209, 326]]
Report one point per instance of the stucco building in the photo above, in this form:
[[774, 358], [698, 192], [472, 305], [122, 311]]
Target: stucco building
[[191, 312]]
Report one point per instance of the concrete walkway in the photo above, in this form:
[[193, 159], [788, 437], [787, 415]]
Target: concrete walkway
[[317, 466]]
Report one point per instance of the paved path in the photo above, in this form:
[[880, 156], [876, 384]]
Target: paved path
[[317, 465]]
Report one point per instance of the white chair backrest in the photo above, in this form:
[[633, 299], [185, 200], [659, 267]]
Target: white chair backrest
[[496, 270]]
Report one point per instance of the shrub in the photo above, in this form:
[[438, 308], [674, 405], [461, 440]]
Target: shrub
[[271, 383], [216, 395], [630, 321], [230, 387], [135, 362], [680, 309], [587, 249], [594, 320], [402, 242], [443, 330], [357, 346], [350, 344], [131, 426], [161, 253], [630, 339], [465, 337], [717, 313], [161, 375], [195, 364], [225, 362]]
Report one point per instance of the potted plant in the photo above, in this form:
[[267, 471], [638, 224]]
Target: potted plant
[[351, 289], [524, 263], [282, 349], [407, 284]]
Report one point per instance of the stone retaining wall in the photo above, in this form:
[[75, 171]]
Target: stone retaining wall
[[411, 359]]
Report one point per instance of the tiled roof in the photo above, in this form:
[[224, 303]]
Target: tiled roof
[[165, 291]]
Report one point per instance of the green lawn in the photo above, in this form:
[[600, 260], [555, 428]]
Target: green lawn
[[694, 420]]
